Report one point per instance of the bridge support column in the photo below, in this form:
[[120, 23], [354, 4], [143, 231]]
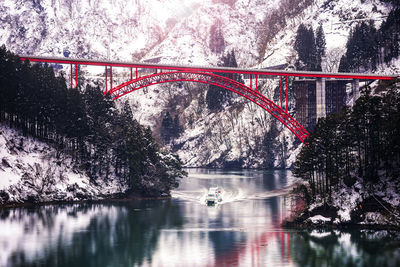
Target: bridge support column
[[355, 86], [280, 85], [76, 75], [71, 76], [287, 93], [105, 76], [320, 98], [111, 78], [257, 82]]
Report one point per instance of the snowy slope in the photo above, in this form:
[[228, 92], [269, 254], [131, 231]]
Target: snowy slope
[[117, 30], [33, 171], [337, 17]]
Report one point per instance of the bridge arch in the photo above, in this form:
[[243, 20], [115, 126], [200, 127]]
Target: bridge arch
[[217, 80]]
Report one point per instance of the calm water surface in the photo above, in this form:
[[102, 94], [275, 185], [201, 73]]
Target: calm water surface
[[244, 230]]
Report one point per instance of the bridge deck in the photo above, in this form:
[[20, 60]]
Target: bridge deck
[[269, 72]]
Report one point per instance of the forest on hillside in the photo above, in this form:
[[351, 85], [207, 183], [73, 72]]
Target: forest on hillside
[[358, 144], [367, 46], [351, 162], [83, 122]]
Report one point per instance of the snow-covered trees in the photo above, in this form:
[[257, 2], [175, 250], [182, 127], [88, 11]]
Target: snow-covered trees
[[389, 36], [320, 46], [170, 128], [362, 142], [278, 18], [361, 49], [367, 47], [84, 123], [332, 60], [217, 41], [310, 49]]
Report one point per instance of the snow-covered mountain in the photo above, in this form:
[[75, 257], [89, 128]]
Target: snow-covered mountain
[[177, 30], [194, 32]]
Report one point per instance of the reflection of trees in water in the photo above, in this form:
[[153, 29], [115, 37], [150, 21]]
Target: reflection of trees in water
[[127, 237], [346, 249], [226, 241]]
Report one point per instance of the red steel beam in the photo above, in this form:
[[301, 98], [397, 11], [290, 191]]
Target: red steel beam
[[210, 78], [111, 78], [212, 69]]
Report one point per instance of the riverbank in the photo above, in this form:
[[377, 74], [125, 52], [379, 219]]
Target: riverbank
[[33, 172], [348, 208], [111, 199]]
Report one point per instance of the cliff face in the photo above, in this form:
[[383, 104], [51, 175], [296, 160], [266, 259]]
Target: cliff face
[[197, 33]]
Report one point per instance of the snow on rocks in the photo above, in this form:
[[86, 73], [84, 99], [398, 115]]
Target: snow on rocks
[[374, 218], [367, 206], [319, 219]]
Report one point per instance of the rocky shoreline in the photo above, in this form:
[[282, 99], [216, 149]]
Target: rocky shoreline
[[307, 225], [370, 214]]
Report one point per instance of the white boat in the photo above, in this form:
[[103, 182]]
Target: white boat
[[214, 196]]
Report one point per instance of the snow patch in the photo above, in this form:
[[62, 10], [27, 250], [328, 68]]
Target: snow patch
[[319, 219]]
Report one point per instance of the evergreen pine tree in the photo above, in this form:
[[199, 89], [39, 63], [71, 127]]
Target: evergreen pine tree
[[320, 43], [217, 42], [177, 128], [389, 36], [305, 47], [362, 49], [167, 128]]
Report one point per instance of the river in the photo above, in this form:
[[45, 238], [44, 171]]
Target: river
[[243, 230]]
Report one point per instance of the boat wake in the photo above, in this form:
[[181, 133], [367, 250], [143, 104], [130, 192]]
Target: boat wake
[[229, 196]]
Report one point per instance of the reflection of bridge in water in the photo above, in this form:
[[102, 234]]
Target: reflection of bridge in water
[[147, 74], [253, 251]]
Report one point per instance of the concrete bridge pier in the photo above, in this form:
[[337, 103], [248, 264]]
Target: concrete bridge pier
[[320, 98], [355, 86]]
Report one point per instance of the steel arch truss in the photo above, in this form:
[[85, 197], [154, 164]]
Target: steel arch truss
[[210, 78]]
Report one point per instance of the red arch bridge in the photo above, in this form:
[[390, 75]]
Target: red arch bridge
[[147, 74]]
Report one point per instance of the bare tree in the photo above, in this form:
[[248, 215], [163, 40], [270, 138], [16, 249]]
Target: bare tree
[[330, 63]]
